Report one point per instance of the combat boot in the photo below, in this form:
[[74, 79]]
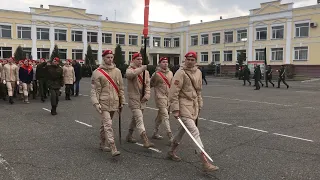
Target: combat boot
[[156, 135], [54, 110], [146, 142], [172, 153], [26, 100], [170, 136], [114, 150], [206, 165], [104, 147], [11, 100], [130, 138]]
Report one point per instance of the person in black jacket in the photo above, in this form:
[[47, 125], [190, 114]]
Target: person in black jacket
[[41, 78], [54, 76], [78, 74], [269, 76], [257, 77], [25, 77], [246, 75], [282, 76]]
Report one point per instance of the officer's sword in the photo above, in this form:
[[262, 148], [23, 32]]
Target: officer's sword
[[194, 140]]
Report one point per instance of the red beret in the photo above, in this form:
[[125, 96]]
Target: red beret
[[106, 52], [135, 55], [1, 61], [56, 59], [191, 54], [43, 59], [163, 59]]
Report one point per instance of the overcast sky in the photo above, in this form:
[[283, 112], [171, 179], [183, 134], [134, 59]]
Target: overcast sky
[[160, 10]]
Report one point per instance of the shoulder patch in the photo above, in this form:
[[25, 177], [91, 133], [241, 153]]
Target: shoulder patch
[[176, 82]]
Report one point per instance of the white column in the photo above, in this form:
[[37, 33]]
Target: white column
[[85, 43], [100, 45], [250, 42], [158, 58], [151, 41], [187, 42], [51, 37], [288, 41], [181, 46], [34, 40]]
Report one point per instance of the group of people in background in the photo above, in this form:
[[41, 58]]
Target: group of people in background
[[257, 76], [30, 78]]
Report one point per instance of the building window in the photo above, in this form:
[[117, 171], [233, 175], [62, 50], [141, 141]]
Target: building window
[[156, 41], [204, 39], [194, 40], [167, 42], [95, 54], [77, 54], [120, 39], [216, 56], [228, 37], [142, 41], [92, 37], [302, 30], [276, 54], [204, 57], [60, 35], [43, 33], [24, 32], [76, 36], [5, 31], [133, 40], [43, 53], [215, 38], [27, 52], [107, 38], [124, 56], [176, 42], [5, 52], [262, 33], [228, 56], [277, 32], [130, 55], [260, 55], [242, 51], [63, 54], [301, 53], [241, 34]]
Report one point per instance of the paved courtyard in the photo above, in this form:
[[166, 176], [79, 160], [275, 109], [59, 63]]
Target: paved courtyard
[[267, 134]]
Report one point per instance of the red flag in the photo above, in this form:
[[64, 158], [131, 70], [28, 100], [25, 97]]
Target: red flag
[[146, 18]]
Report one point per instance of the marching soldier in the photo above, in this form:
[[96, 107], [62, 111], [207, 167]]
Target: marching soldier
[[26, 76], [257, 77], [68, 77], [137, 103], [186, 102], [55, 81], [10, 77], [107, 96], [282, 76], [41, 77], [269, 76], [161, 81], [246, 75]]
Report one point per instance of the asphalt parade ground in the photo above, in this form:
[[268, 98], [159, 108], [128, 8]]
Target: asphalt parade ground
[[267, 134]]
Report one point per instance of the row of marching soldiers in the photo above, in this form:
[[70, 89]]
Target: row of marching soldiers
[[257, 76], [30, 77], [181, 92]]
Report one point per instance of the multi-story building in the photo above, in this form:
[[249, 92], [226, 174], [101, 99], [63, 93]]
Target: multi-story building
[[290, 35]]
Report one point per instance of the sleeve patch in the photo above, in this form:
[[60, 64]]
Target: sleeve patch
[[176, 82]]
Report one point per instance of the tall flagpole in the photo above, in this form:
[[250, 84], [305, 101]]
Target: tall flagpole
[[145, 33]]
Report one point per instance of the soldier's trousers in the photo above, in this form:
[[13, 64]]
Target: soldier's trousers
[[106, 131], [270, 81], [256, 82], [191, 126], [26, 88], [162, 117], [3, 90], [54, 98], [137, 121], [35, 88], [43, 88], [11, 86], [244, 81], [283, 80], [68, 90]]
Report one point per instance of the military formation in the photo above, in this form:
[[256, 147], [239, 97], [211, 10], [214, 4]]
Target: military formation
[[179, 94], [27, 78], [257, 76]]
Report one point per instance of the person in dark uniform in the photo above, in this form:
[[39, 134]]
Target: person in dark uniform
[[260, 76], [41, 78], [269, 76], [282, 76], [257, 77], [55, 82], [246, 75], [203, 71], [77, 70]]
